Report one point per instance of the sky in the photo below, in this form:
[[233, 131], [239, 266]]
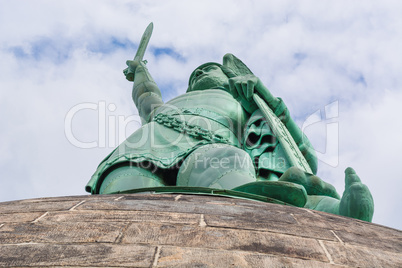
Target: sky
[[65, 104]]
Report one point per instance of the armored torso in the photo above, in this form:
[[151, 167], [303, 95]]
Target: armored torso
[[164, 141]]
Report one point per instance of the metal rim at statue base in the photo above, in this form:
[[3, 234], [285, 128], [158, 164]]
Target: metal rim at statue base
[[186, 230], [294, 195]]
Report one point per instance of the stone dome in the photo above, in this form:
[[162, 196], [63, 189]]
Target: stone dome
[[184, 230]]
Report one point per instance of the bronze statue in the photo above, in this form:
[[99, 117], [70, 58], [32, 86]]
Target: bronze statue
[[227, 132]]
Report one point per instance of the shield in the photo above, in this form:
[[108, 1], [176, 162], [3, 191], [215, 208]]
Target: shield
[[263, 147]]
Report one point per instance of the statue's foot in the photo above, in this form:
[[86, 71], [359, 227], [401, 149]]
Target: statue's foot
[[313, 184], [356, 201], [287, 192]]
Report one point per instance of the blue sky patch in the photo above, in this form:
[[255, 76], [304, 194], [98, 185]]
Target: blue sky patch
[[19, 52], [299, 57], [44, 49], [160, 51], [109, 45], [361, 80], [58, 50]]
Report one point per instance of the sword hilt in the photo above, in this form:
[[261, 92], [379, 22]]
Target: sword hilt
[[129, 72]]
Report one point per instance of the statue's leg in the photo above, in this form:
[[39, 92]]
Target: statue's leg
[[219, 166], [129, 177]]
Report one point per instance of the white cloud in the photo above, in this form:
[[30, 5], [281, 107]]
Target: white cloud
[[307, 52]]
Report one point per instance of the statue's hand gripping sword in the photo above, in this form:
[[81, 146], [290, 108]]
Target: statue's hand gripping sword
[[296, 158], [129, 72]]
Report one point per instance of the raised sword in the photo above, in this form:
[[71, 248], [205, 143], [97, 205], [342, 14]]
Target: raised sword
[[141, 50]]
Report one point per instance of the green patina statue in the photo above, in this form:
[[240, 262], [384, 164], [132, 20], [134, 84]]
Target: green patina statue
[[227, 136]]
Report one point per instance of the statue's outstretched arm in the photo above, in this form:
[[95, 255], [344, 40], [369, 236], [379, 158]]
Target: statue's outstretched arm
[[146, 94]]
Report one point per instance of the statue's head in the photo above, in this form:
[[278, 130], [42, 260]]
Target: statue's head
[[207, 76], [214, 75]]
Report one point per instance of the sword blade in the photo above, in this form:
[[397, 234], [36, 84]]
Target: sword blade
[[144, 42]]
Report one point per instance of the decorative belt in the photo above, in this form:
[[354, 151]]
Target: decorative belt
[[194, 131]]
